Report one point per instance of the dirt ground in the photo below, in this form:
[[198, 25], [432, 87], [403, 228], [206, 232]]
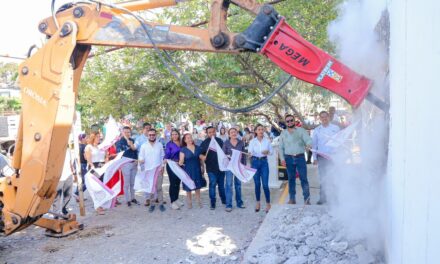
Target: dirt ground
[[133, 235]]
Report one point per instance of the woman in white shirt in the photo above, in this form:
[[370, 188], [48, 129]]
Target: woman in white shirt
[[259, 148], [94, 156], [222, 134]]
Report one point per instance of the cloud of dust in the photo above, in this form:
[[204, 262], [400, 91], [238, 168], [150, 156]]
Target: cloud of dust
[[356, 188]]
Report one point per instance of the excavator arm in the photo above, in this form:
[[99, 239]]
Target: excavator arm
[[49, 82]]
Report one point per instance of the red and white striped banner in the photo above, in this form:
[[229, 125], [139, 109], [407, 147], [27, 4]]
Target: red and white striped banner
[[101, 194]]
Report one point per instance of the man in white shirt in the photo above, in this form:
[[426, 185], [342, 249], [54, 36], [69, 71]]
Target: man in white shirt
[[152, 155], [322, 154], [139, 141], [333, 117]]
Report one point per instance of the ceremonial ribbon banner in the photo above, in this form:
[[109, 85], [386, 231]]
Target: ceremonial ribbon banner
[[223, 160], [322, 154], [183, 176], [110, 174], [342, 136], [112, 134], [110, 168], [101, 195], [242, 172], [146, 180]]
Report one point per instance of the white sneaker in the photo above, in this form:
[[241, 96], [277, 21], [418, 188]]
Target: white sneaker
[[174, 206], [180, 203]]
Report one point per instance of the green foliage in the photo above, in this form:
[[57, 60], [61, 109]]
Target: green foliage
[[8, 76], [8, 72], [9, 104], [135, 81]]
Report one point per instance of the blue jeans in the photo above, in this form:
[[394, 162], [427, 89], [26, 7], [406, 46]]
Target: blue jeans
[[228, 190], [214, 180], [294, 164], [261, 176]]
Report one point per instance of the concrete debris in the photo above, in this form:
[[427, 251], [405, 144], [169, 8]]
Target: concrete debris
[[307, 235], [338, 247], [297, 260]]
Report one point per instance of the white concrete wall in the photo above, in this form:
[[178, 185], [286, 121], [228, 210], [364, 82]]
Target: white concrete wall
[[414, 160]]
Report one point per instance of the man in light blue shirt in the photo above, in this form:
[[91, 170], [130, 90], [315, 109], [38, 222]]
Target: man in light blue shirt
[[322, 152], [142, 138]]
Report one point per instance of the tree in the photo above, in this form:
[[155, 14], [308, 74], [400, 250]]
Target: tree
[[8, 73], [8, 77], [9, 105], [139, 84]]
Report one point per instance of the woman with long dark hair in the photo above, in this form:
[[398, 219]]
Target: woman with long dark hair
[[172, 150], [259, 148], [222, 134]]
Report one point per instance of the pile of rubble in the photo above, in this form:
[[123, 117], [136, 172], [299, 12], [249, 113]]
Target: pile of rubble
[[296, 235]]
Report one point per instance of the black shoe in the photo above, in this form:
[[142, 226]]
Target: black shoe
[[212, 207], [129, 204], [320, 202], [135, 201], [157, 201], [64, 211], [162, 208], [151, 208]]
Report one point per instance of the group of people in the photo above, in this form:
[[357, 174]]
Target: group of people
[[150, 149]]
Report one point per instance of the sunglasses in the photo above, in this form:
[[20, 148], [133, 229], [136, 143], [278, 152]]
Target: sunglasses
[[151, 135], [289, 121]]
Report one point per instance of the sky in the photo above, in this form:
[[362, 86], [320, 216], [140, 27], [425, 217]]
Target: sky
[[19, 25]]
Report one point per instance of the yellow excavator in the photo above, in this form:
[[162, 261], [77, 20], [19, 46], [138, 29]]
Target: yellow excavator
[[49, 80]]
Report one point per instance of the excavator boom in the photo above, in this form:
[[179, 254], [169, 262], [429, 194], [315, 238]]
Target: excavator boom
[[49, 82]]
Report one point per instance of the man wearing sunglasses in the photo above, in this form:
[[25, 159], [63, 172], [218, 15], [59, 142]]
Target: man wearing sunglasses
[[293, 143], [151, 156]]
